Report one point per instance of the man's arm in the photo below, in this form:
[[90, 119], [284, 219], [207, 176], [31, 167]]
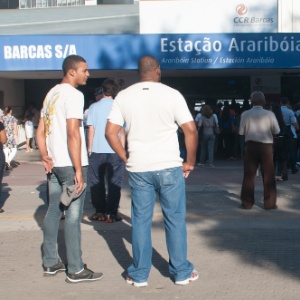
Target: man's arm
[[122, 137], [296, 126], [74, 146], [191, 143], [41, 141], [111, 134], [90, 139]]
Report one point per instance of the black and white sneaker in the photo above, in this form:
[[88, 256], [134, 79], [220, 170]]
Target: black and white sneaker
[[84, 275], [51, 271]]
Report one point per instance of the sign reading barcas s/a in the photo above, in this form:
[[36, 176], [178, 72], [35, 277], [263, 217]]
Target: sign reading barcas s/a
[[38, 51]]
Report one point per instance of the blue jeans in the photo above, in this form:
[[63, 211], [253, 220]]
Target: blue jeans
[[207, 143], [60, 179], [170, 186]]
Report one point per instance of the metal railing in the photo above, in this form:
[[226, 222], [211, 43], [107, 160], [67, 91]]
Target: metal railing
[[49, 3]]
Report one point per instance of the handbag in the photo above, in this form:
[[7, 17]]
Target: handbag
[[216, 128]]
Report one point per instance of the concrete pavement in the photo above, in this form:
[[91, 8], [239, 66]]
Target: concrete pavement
[[239, 254]]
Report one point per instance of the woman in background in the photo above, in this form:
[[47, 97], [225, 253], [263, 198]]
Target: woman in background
[[208, 121], [29, 129], [11, 130], [3, 140]]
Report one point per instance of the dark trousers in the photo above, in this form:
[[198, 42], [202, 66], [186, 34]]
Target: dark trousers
[[281, 156], [258, 154], [105, 168], [2, 164]]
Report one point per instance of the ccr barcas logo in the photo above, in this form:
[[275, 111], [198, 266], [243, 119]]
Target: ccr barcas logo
[[241, 9], [243, 20]]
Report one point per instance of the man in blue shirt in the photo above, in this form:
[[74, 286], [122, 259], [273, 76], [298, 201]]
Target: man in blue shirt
[[106, 169], [292, 125]]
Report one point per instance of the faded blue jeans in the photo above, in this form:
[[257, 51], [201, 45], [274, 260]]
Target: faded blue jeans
[[169, 185], [207, 143], [60, 179]]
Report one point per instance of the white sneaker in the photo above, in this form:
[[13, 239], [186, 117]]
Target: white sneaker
[[194, 276], [129, 280]]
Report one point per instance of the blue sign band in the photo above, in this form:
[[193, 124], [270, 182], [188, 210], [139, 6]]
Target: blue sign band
[[174, 51]]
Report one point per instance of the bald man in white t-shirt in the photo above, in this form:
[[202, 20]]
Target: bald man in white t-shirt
[[152, 112]]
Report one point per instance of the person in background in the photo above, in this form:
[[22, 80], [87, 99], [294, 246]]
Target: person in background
[[61, 143], [197, 118], [280, 145], [226, 123], [291, 128], [297, 115], [152, 112], [258, 125], [98, 94], [3, 139], [11, 129], [104, 163], [207, 120], [29, 131]]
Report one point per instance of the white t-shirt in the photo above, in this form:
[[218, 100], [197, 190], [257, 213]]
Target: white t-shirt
[[150, 110], [61, 103]]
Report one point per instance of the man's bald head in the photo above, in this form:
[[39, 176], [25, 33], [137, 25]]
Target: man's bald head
[[149, 69]]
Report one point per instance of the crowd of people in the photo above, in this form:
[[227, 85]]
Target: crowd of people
[[221, 135]]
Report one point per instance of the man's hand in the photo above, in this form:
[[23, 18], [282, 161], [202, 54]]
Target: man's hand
[[47, 163], [187, 169], [79, 181]]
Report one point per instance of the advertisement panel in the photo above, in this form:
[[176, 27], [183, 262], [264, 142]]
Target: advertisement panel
[[213, 16], [174, 51]]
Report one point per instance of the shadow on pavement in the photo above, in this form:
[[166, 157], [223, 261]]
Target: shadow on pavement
[[260, 238], [115, 236]]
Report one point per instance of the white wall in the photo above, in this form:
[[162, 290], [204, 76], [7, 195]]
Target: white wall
[[288, 16], [13, 91], [213, 16]]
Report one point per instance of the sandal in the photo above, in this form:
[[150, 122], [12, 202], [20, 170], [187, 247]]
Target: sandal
[[113, 218], [98, 217]]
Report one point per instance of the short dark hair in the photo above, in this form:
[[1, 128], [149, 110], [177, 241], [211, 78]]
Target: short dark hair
[[284, 100], [98, 91], [7, 110], [71, 62], [110, 88]]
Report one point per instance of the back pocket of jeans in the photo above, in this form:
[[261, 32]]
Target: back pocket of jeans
[[168, 177]]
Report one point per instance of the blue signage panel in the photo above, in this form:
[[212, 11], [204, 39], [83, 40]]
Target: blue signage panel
[[174, 51]]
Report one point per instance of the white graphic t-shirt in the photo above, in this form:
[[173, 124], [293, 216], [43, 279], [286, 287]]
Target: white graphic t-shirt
[[61, 103]]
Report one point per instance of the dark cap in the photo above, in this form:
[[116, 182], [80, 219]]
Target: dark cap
[[98, 91]]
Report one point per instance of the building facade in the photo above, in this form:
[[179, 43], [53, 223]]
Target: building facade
[[209, 50]]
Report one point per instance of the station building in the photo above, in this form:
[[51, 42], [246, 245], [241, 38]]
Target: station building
[[212, 50]]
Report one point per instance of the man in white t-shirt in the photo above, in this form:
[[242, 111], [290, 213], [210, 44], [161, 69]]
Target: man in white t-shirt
[[152, 112], [62, 146]]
